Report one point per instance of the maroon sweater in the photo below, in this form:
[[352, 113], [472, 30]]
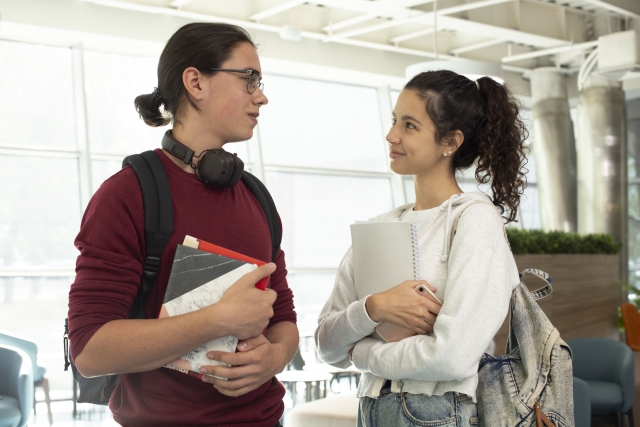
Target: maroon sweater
[[112, 247]]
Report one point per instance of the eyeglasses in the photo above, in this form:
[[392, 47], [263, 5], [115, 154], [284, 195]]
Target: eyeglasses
[[254, 80]]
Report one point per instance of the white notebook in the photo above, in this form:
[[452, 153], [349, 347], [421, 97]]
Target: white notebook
[[385, 254]]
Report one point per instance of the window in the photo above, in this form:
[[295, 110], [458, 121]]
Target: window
[[321, 125], [316, 212], [40, 210], [112, 83], [40, 213], [37, 108]]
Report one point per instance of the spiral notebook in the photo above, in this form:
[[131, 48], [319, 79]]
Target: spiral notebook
[[385, 254]]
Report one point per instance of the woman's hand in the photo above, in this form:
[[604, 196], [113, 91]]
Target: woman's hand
[[403, 306]]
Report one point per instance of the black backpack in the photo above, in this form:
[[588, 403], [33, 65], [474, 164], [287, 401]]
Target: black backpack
[[158, 227]]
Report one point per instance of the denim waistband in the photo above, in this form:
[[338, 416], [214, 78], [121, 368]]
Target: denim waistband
[[459, 397]]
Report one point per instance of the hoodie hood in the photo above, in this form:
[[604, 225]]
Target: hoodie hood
[[452, 208]]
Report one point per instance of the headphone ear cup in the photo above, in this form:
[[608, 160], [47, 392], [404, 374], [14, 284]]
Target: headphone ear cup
[[220, 168], [237, 170]]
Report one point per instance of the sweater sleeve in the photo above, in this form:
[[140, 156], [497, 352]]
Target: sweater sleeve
[[109, 267], [344, 320], [283, 308], [481, 276]]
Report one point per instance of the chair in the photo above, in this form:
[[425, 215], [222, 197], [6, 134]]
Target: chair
[[16, 387], [631, 320], [297, 363], [39, 379], [607, 368], [581, 403]]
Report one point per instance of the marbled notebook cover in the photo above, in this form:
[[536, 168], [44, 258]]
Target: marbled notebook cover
[[198, 279]]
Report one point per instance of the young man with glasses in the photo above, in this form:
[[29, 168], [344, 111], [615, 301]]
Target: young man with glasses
[[209, 87]]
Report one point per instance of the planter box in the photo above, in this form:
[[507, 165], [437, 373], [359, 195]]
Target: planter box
[[585, 298]]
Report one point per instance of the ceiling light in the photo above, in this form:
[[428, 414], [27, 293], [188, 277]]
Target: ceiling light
[[289, 32]]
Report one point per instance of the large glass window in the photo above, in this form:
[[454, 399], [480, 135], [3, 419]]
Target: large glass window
[[311, 291], [37, 107], [316, 212], [112, 83], [35, 308], [322, 125], [40, 211]]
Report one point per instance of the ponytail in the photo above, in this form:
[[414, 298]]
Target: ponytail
[[501, 138], [148, 107], [494, 135]]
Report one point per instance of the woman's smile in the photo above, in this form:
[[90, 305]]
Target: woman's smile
[[393, 154]]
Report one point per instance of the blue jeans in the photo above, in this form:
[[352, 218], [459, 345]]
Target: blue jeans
[[409, 410]]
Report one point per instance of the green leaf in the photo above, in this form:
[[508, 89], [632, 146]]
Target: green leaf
[[525, 242]]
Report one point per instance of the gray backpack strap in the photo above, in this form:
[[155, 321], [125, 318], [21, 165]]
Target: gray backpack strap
[[158, 221], [268, 206], [454, 229], [543, 291]]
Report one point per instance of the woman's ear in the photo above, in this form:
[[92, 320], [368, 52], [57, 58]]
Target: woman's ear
[[192, 81], [454, 142]]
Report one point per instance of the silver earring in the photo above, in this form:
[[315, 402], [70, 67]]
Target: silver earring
[[445, 154]]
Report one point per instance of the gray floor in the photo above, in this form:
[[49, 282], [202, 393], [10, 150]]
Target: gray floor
[[88, 416], [99, 416], [94, 416]]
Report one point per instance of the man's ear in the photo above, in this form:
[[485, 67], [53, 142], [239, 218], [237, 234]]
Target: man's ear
[[192, 80]]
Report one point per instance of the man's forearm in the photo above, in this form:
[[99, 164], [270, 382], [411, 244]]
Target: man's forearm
[[124, 346], [285, 335]]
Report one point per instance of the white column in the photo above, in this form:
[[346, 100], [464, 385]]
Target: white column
[[602, 161], [555, 150]]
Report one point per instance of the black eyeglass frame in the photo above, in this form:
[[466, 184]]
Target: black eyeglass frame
[[251, 72]]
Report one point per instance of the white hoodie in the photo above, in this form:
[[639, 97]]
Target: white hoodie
[[474, 275]]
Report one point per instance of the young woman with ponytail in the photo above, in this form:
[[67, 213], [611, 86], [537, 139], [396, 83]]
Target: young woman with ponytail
[[209, 88], [442, 123]]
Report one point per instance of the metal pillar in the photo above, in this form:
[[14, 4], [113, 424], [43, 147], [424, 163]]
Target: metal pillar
[[554, 150], [602, 162]]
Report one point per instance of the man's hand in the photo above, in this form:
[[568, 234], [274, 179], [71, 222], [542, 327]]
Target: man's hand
[[244, 311], [256, 362]]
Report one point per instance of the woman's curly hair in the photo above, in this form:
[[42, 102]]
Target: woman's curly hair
[[494, 134]]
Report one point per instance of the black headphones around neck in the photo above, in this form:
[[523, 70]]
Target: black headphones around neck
[[216, 167]]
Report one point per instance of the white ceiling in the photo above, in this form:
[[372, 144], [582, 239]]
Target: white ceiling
[[368, 42], [519, 34]]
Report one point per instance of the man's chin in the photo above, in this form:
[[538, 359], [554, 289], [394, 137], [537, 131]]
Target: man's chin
[[241, 138]]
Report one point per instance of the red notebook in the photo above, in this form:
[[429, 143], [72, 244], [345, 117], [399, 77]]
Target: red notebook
[[195, 243]]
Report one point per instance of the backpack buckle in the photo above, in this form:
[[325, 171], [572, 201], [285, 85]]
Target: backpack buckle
[[151, 267]]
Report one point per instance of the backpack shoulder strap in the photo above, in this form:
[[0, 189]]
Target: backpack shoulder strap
[[269, 207], [158, 220], [457, 220]]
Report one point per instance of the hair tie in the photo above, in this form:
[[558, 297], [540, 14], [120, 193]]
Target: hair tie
[[477, 84], [158, 99]]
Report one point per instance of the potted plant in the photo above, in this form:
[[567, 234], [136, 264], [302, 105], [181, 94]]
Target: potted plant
[[585, 270]]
